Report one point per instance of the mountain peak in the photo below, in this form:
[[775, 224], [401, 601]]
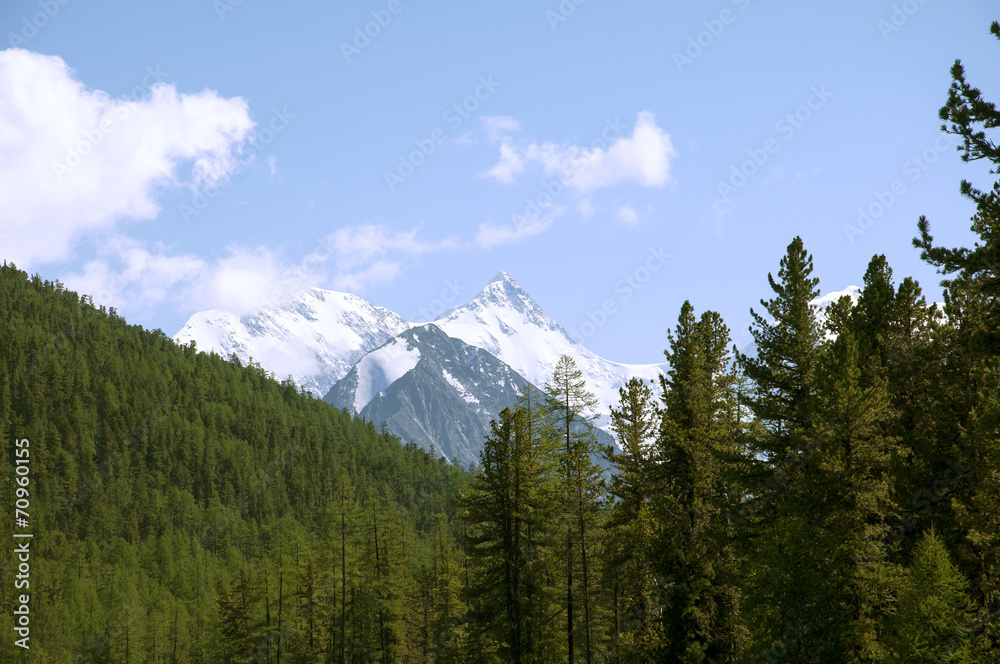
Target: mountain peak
[[503, 290]]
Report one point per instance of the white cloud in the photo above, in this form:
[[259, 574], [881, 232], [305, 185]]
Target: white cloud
[[521, 227], [587, 209], [644, 158], [373, 254], [499, 126], [627, 215], [128, 275], [75, 160]]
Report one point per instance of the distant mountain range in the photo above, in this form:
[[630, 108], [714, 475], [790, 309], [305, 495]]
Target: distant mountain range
[[435, 384]]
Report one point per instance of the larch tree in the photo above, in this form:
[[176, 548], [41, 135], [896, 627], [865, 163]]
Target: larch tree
[[572, 411]]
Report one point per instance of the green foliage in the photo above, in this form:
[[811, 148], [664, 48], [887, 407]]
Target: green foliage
[[171, 490], [693, 552], [935, 616]]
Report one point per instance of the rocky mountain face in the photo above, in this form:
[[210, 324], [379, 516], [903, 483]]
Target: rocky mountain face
[[437, 384], [431, 389]]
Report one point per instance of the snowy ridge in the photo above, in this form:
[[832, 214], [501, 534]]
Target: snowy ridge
[[381, 368], [824, 302], [462, 392], [504, 320], [315, 338], [430, 389]]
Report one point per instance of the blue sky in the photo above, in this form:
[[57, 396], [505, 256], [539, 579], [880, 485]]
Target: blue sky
[[617, 156]]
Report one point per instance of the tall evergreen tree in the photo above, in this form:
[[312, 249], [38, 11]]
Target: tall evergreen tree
[[631, 526], [696, 447], [784, 376], [783, 372], [505, 511], [571, 407], [972, 298], [935, 618]]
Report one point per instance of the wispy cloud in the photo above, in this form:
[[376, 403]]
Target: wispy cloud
[[130, 275], [643, 158], [370, 255], [520, 228], [499, 126], [627, 215]]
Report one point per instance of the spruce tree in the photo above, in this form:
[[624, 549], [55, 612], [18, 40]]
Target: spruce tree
[[504, 510], [783, 372], [630, 527], [784, 375], [694, 551], [935, 616], [846, 501]]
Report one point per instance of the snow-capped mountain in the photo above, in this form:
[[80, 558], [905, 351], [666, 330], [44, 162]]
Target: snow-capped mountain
[[315, 338], [321, 337], [430, 389], [504, 320]]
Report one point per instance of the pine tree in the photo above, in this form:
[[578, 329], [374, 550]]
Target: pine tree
[[935, 618], [784, 377], [696, 447], [846, 500], [972, 299], [630, 526], [967, 114], [783, 372], [504, 509]]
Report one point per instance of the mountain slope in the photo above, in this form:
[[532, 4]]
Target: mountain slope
[[155, 471], [430, 389], [504, 320], [315, 338]]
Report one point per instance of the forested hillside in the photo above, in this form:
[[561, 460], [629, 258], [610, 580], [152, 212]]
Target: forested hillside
[[186, 508]]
